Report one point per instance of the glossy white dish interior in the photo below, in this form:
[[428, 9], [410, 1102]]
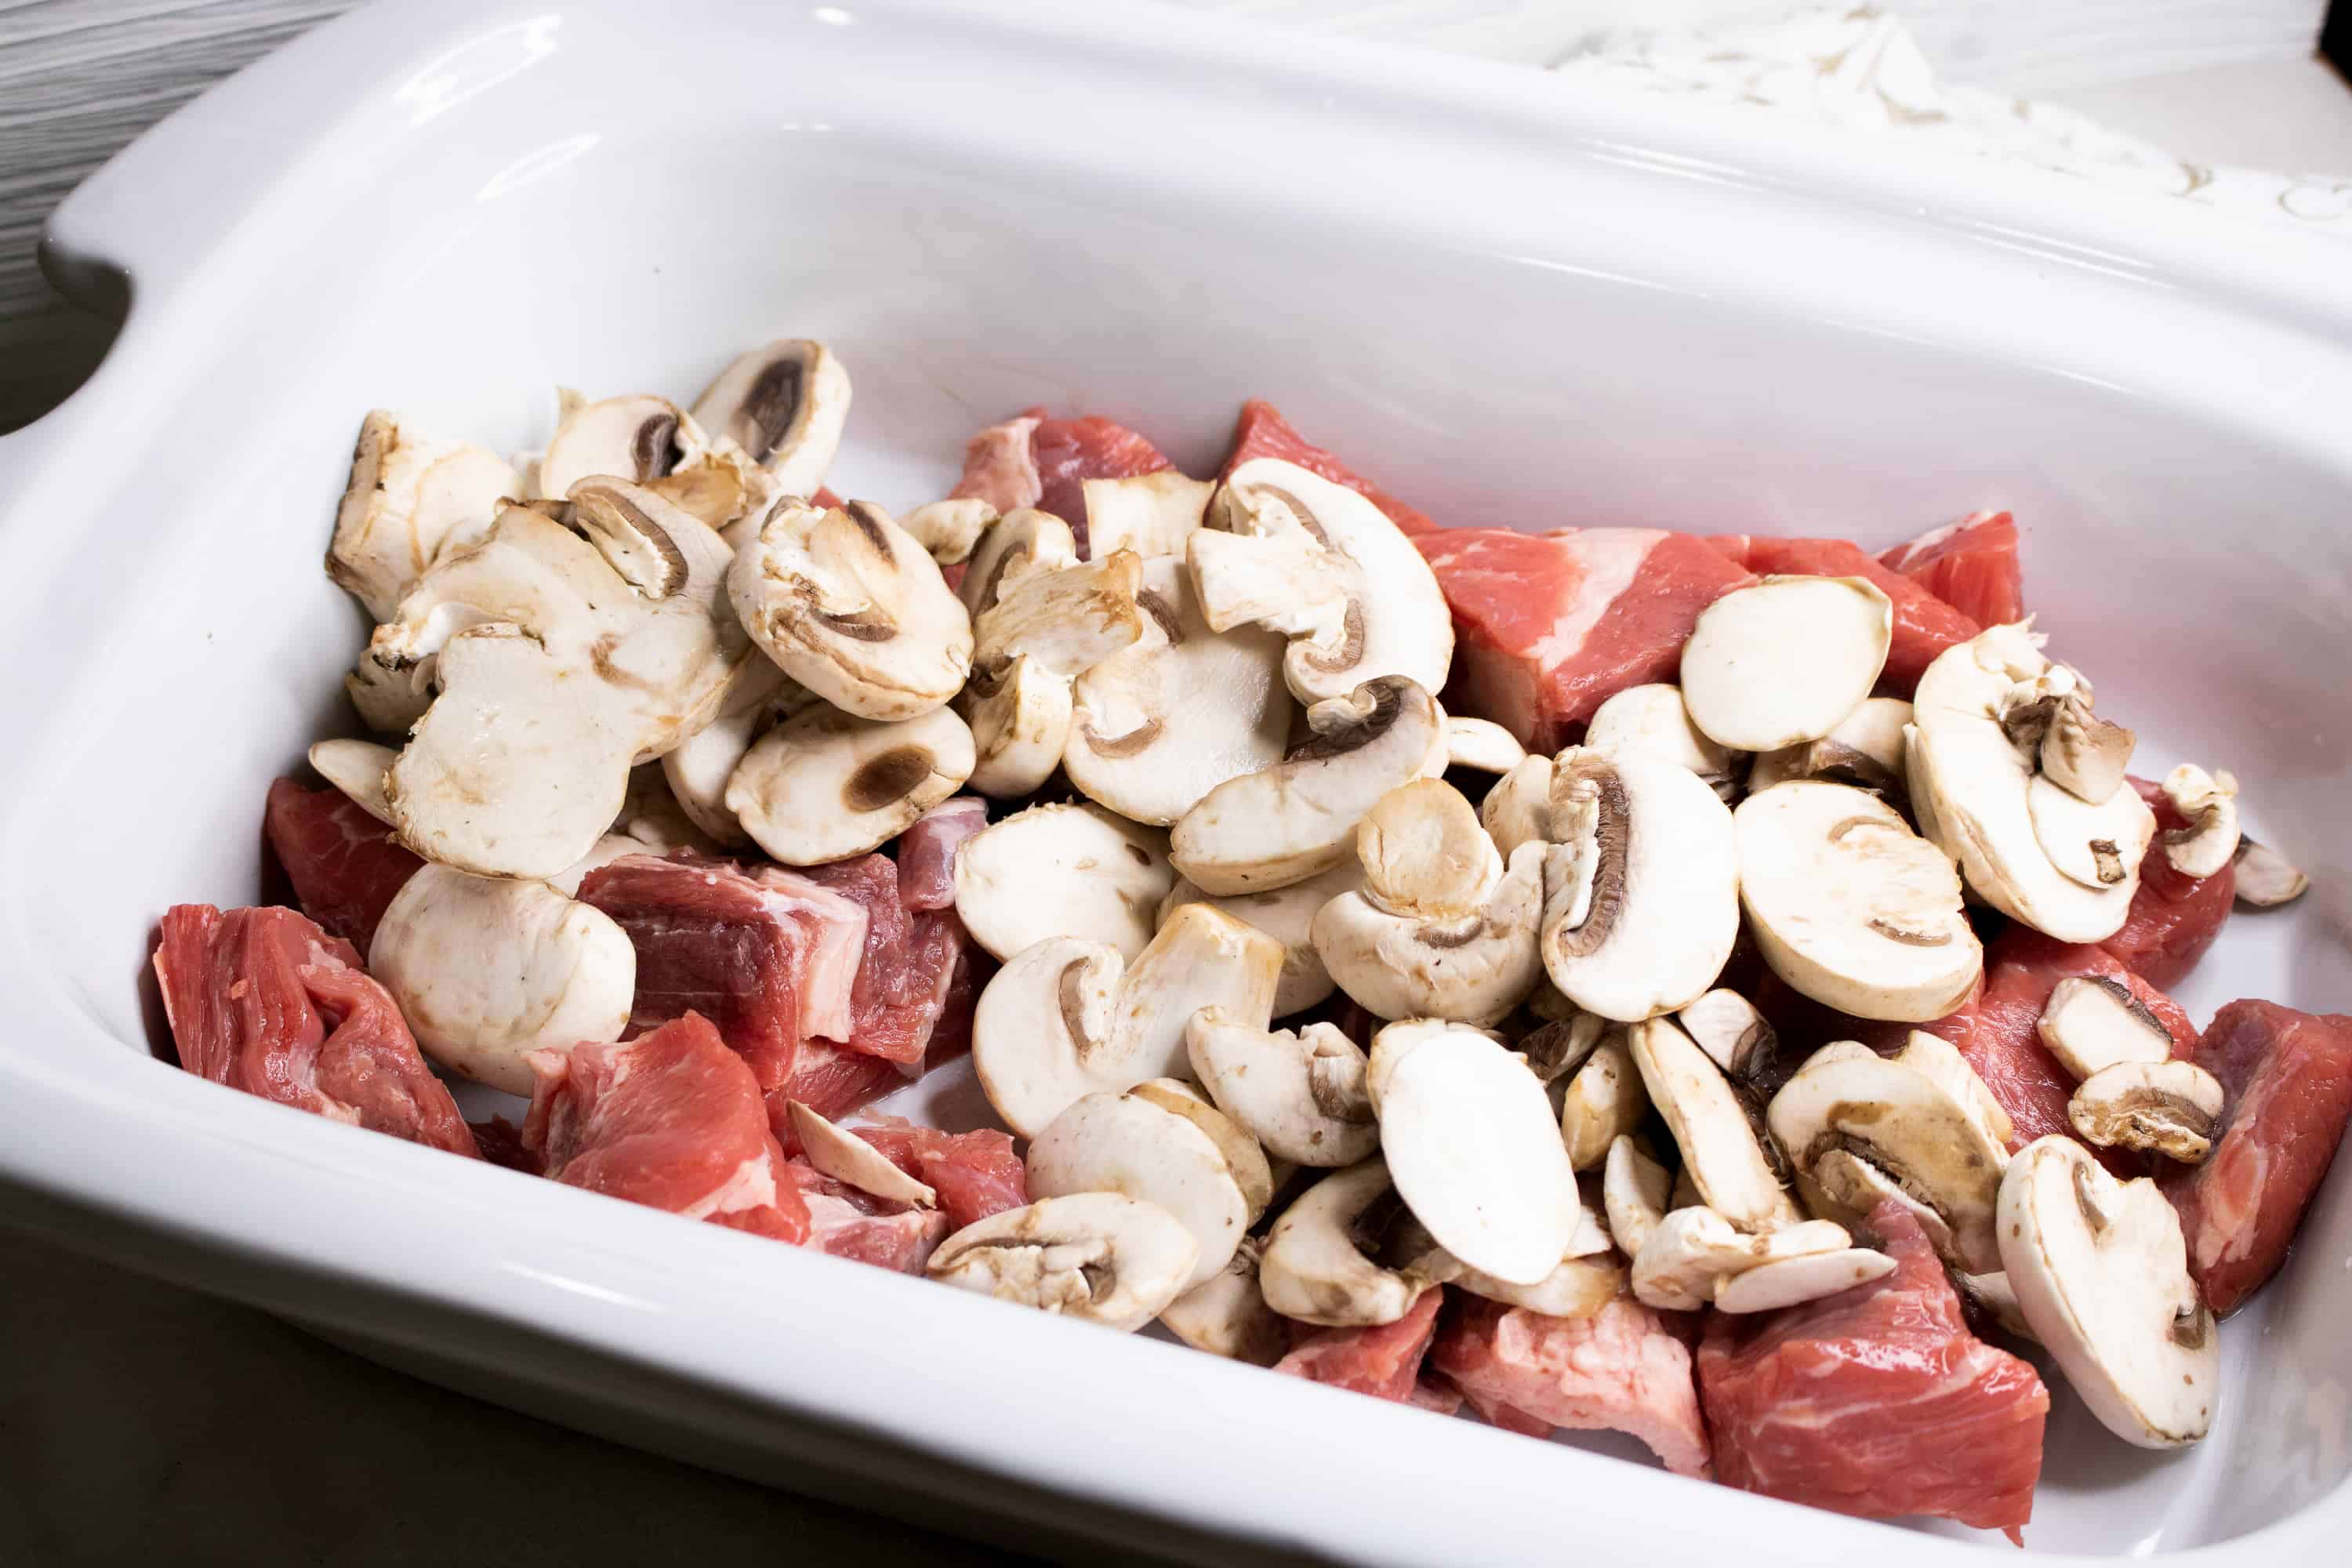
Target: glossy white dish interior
[[1512, 307]]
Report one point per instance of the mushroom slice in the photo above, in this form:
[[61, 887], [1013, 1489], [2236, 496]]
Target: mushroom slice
[[1156, 726], [1020, 720], [1582, 1284], [1252, 1169], [487, 970], [1652, 721], [950, 530], [1131, 1143], [1150, 514], [1703, 1111], [2265, 879], [1941, 1061], [390, 701], [1848, 1190], [1482, 746], [1684, 1256], [721, 485], [2102, 1275], [1865, 750], [1291, 549], [1062, 870], [2210, 802], [410, 494], [1424, 854], [2083, 754], [1789, 1280], [1852, 908], [785, 404], [1923, 1137], [357, 768], [1634, 1191], [1024, 540], [1735, 1035], [1971, 772], [853, 608], [1562, 1044], [1285, 823], [2091, 1021], [1317, 1269], [1288, 915], [1228, 1316], [1605, 1101], [1518, 809], [1641, 900], [845, 1157], [824, 786], [1470, 1142], [699, 769], [634, 439], [2168, 1108], [1045, 627], [1102, 1257], [1784, 661], [1301, 1093], [1067, 1017]]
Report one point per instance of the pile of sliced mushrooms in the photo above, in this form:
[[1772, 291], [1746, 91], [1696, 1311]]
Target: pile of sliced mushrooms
[[1239, 799]]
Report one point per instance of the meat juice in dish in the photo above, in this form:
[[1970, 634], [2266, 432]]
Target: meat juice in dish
[[1711, 988]]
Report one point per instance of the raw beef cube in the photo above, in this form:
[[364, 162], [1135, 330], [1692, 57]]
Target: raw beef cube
[[1620, 1370], [2288, 1077], [345, 865], [264, 1001], [927, 851], [1970, 564], [2174, 918], [974, 1173], [499, 1141], [1548, 626], [909, 962], [1036, 461], [834, 1080], [847, 1222], [1924, 624], [1877, 1401], [672, 1119], [1263, 432], [1383, 1361]]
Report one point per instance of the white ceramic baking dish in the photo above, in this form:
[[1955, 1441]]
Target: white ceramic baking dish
[[1513, 305]]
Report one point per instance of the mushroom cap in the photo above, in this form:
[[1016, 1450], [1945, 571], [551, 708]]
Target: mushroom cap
[[356, 768], [848, 1158], [1103, 1256], [1150, 514], [1062, 870], [1782, 662], [1068, 618], [1865, 749], [1474, 967], [1604, 1101], [2168, 1108], [1634, 1191], [409, 496], [1720, 1151], [785, 404], [824, 786], [1285, 823], [2210, 801], [1288, 915], [850, 606], [1482, 745], [1641, 901], [700, 767], [1301, 1093], [2102, 1274], [2093, 1021], [1228, 1316], [487, 970], [1684, 1256], [1517, 808], [1127, 1143], [1315, 1268], [1020, 721], [637, 439], [950, 530], [1852, 908], [1024, 540], [2265, 878], [1786, 1281], [1651, 720], [1735, 1035]]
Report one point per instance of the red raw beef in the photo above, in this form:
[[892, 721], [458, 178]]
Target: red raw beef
[[847, 1222], [345, 865], [834, 1080], [1620, 1370], [2288, 1077], [927, 851], [1970, 564], [2174, 918], [1263, 432], [1033, 460], [1924, 624], [264, 1001], [975, 1173], [1547, 626], [672, 1119], [500, 1142], [1383, 1361], [1877, 1401], [909, 960]]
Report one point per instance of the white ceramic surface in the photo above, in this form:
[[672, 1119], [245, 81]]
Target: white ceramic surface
[[1515, 305]]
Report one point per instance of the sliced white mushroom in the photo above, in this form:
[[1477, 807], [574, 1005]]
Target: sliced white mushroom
[[1067, 1017], [1720, 1150], [1785, 661], [1518, 809], [1852, 908], [1735, 1035], [2210, 802], [1048, 623], [1288, 915], [1848, 1189], [390, 701], [409, 495], [2093, 1021], [1684, 1256], [1134, 1144], [1582, 1284], [1156, 727], [1769, 1287], [950, 530], [1651, 721], [651, 816], [357, 768], [1252, 1172], [1605, 1101], [1101, 1256], [2082, 753], [853, 608], [1062, 870], [487, 970], [1150, 514], [1482, 746], [1635, 1192], [1561, 1046], [1228, 1316], [1470, 1143], [2167, 1108], [1992, 1295], [1301, 1093], [1642, 902], [847, 1158], [1864, 749], [1941, 1061], [2102, 1274], [1977, 722], [2265, 878], [1290, 550], [700, 767], [721, 484], [637, 439], [785, 404], [1285, 823], [1316, 1268], [824, 786]]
